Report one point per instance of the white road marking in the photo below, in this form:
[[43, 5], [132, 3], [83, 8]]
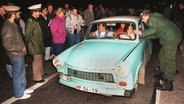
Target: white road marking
[[158, 95], [34, 87]]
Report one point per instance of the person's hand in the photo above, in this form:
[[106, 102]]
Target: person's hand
[[79, 23], [137, 32], [93, 34], [24, 49], [75, 27]]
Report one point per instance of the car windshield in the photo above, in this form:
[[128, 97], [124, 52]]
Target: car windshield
[[111, 30]]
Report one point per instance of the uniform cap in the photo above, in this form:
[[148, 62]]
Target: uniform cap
[[11, 8], [35, 7], [144, 12]]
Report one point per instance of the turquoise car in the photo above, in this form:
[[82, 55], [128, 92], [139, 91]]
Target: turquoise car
[[110, 65]]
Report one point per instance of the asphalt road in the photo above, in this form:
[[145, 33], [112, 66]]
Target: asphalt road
[[54, 93]]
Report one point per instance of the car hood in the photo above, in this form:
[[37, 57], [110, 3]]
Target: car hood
[[98, 55]]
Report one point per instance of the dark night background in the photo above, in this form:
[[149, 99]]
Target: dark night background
[[83, 3], [154, 5]]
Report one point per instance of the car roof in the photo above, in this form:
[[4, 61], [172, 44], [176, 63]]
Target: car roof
[[118, 19]]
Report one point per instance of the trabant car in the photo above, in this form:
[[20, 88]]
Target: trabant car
[[106, 65]]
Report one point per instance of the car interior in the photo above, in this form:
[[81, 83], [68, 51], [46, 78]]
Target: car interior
[[111, 27]]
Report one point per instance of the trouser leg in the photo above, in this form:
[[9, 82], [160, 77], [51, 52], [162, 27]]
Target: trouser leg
[[59, 48], [47, 53], [18, 76], [161, 60], [167, 58], [71, 39], [78, 37], [37, 67]]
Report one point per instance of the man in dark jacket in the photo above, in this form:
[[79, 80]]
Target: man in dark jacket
[[50, 16], [15, 49], [169, 36], [47, 37]]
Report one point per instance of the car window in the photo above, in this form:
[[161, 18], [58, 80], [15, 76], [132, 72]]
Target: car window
[[108, 30]]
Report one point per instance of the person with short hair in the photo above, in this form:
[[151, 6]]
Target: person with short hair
[[120, 29], [67, 9], [102, 32], [127, 32], [169, 36], [50, 16], [74, 22], [89, 15], [47, 37], [58, 31], [34, 42], [15, 49]]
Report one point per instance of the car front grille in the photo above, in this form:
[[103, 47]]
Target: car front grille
[[101, 77]]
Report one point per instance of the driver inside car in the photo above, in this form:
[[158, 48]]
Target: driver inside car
[[127, 34], [102, 32]]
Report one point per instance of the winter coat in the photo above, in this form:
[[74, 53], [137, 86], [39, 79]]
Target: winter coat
[[58, 30], [34, 37], [162, 28], [47, 37], [12, 40]]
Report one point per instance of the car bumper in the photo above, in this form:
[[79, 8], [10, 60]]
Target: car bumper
[[103, 88]]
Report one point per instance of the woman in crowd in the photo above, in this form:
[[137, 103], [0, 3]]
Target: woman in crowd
[[58, 31]]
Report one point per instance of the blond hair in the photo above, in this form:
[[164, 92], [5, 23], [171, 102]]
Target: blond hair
[[59, 10]]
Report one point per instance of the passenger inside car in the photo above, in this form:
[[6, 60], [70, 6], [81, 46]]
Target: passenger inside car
[[102, 31], [127, 33], [121, 28]]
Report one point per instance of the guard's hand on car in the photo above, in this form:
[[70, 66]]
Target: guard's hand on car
[[137, 32]]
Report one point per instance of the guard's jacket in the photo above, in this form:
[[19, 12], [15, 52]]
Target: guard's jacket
[[34, 37], [161, 28]]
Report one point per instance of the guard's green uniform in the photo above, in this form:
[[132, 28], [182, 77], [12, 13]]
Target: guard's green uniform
[[34, 37], [169, 36]]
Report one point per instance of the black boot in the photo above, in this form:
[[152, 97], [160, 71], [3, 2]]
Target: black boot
[[166, 86], [158, 74]]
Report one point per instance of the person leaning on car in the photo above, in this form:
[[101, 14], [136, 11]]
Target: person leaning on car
[[169, 36]]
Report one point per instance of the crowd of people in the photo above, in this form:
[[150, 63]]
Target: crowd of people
[[47, 32]]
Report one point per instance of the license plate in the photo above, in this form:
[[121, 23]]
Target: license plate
[[66, 78], [87, 89]]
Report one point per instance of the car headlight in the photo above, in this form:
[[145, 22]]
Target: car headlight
[[122, 70], [58, 63]]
